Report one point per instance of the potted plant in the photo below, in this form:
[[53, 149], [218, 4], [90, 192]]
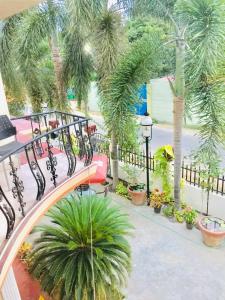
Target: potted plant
[[190, 216], [121, 190], [157, 200], [213, 230], [168, 211], [162, 171], [136, 190]]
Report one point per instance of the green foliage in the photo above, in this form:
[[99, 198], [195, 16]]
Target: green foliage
[[168, 211], [209, 169], [154, 8], [136, 66], [108, 44], [138, 27], [205, 93], [157, 198], [78, 67], [121, 190], [133, 173], [83, 250], [179, 216], [16, 107], [190, 215], [162, 157]]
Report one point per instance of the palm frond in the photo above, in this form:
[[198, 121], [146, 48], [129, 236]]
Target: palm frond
[[83, 13], [108, 44], [205, 24], [62, 255], [78, 65], [136, 67], [206, 35]]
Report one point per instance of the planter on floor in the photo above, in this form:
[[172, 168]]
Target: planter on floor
[[137, 197], [157, 210], [213, 230], [189, 225]]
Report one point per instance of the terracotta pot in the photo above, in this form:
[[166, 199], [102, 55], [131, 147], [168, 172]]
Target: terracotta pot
[[211, 238], [137, 197]]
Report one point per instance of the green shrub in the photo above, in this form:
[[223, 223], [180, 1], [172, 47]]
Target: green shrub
[[121, 190]]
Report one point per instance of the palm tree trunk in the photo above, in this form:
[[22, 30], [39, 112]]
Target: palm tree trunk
[[178, 116], [57, 62], [114, 160]]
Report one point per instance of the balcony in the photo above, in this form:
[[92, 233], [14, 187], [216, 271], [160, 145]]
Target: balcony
[[55, 157]]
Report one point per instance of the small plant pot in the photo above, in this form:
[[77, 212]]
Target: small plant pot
[[211, 237], [157, 210], [189, 226], [137, 197]]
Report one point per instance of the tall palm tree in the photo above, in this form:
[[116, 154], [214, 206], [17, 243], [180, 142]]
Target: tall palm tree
[[83, 254], [30, 29], [198, 30], [78, 65], [135, 66], [108, 45]]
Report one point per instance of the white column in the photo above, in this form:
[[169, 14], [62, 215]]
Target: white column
[[3, 103], [10, 289]]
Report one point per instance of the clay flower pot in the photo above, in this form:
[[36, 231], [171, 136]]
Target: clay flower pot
[[137, 197], [212, 233]]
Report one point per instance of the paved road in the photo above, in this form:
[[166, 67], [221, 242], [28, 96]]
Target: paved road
[[163, 135]]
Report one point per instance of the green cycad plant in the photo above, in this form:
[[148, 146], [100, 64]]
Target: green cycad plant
[[83, 253]]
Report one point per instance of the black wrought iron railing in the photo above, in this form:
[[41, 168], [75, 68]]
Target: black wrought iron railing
[[58, 146], [190, 173]]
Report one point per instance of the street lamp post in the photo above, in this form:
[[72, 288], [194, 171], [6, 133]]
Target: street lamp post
[[146, 125]]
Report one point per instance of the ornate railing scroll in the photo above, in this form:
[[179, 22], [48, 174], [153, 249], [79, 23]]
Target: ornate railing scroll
[[36, 170], [39, 167], [51, 162], [18, 187], [70, 148], [8, 212]]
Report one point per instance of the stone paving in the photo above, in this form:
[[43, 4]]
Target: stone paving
[[169, 261]]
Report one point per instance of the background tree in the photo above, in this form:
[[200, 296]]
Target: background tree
[[204, 19], [108, 47], [83, 253], [136, 66], [29, 30]]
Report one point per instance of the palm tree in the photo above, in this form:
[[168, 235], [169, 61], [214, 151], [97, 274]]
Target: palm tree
[[83, 254], [30, 29], [108, 47], [78, 65], [136, 66], [198, 31]]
